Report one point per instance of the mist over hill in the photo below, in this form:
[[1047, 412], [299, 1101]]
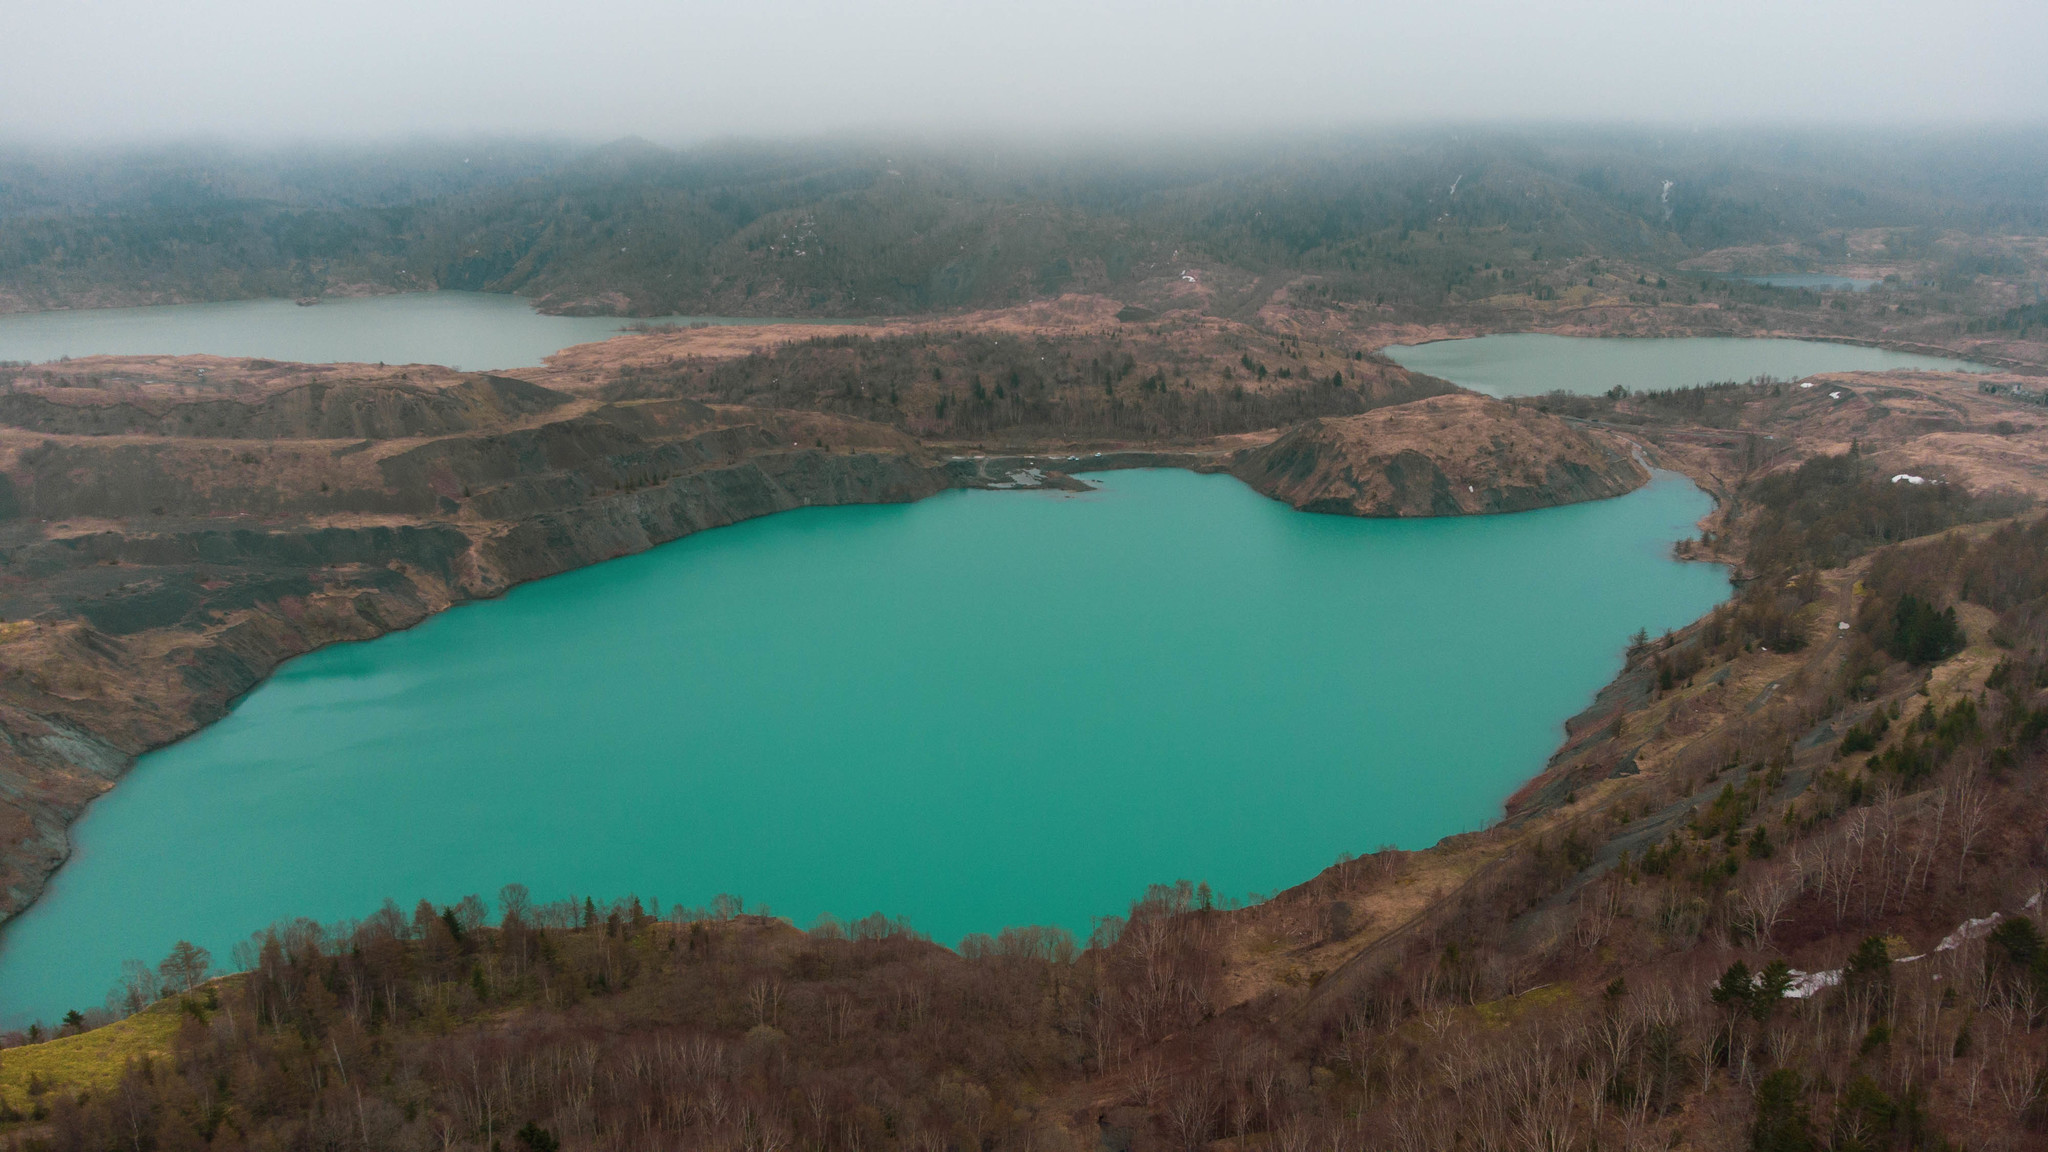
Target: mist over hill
[[1421, 218]]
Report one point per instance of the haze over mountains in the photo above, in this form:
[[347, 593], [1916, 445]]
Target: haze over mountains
[[875, 227], [130, 70]]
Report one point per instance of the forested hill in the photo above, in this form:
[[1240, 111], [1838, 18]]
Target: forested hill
[[870, 228]]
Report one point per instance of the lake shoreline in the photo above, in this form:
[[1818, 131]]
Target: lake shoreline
[[1532, 364], [250, 666], [1598, 319], [1137, 460], [473, 331], [605, 491]]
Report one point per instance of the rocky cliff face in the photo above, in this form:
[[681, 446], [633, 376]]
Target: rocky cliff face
[[1443, 456]]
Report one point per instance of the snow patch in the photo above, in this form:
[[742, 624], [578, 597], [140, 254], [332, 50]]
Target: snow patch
[[1806, 985], [1970, 930]]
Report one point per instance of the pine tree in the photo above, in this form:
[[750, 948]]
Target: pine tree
[[1782, 1123]]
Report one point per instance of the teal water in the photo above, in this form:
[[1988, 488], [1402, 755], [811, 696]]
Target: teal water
[[1530, 364], [473, 331], [987, 708]]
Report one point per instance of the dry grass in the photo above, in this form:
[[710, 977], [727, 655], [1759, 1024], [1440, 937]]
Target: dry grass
[[89, 1061], [1509, 1009]]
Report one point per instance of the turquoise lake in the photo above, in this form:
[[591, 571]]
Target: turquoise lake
[[1530, 364], [987, 708], [473, 331]]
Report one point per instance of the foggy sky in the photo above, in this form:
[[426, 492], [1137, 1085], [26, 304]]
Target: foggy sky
[[681, 71]]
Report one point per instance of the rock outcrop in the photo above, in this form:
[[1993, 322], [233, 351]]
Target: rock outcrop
[[1452, 455]]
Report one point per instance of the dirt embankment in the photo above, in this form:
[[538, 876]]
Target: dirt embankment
[[1443, 456]]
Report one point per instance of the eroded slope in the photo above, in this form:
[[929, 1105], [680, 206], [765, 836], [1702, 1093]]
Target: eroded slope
[[1442, 456]]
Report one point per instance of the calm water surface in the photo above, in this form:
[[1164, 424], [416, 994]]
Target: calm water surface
[[473, 331], [987, 708], [1528, 364]]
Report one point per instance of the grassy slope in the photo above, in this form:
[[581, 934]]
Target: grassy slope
[[89, 1061]]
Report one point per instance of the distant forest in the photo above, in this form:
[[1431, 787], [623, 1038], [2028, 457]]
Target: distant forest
[[870, 228]]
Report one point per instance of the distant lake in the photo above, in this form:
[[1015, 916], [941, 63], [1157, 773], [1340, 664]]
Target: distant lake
[[983, 709], [473, 331], [1529, 364], [1810, 280]]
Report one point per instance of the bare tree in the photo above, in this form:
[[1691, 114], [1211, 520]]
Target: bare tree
[[1973, 811], [1841, 858], [1763, 902], [1886, 820], [515, 902], [1149, 1077], [1189, 1112], [186, 967], [140, 986], [2018, 1080]]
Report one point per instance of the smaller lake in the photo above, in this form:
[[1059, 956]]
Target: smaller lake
[[472, 331], [1530, 364], [1817, 280]]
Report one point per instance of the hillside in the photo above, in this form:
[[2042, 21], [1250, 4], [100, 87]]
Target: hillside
[[1453, 455], [1419, 220]]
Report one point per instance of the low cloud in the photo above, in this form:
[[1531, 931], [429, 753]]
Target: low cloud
[[679, 72]]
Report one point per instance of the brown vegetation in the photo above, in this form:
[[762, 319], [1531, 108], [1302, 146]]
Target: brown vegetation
[[1443, 456], [1012, 380]]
